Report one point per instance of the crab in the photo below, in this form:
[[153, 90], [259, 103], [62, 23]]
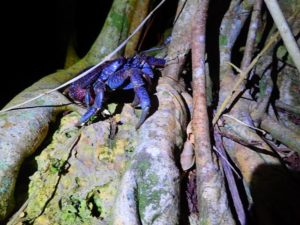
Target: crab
[[122, 73]]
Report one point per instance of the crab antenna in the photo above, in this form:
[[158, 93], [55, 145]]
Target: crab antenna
[[108, 57]]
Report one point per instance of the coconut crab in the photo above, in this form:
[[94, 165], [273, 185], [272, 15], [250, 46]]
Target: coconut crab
[[122, 73]]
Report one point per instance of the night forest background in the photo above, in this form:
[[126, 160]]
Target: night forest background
[[36, 35]]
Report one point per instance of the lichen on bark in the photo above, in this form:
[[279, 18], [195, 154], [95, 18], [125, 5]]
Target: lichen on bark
[[78, 173]]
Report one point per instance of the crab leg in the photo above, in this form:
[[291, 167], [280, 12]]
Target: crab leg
[[87, 98], [145, 104], [150, 62], [141, 93], [136, 101], [111, 68], [99, 88], [118, 79], [147, 70]]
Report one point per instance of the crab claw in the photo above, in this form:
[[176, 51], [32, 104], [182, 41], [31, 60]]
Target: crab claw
[[99, 88], [91, 112], [141, 95], [144, 100]]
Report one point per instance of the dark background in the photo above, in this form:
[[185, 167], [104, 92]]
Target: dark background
[[35, 37]]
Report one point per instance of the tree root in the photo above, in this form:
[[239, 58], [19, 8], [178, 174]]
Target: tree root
[[149, 191]]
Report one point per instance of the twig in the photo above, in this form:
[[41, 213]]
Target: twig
[[108, 57], [235, 67], [237, 202], [247, 125], [266, 89], [285, 31], [227, 162], [236, 138], [242, 76]]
